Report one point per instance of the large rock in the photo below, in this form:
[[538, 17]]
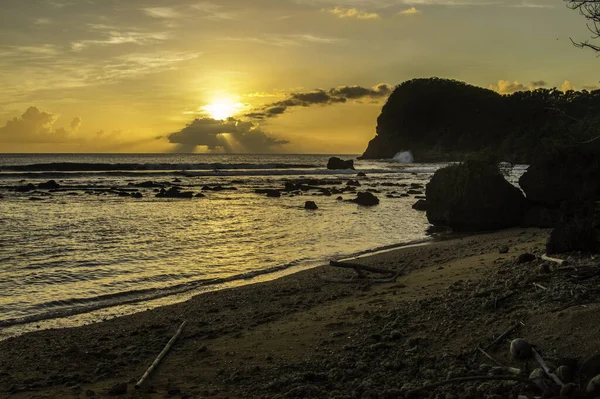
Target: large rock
[[338, 163], [569, 175], [174, 192], [473, 196]]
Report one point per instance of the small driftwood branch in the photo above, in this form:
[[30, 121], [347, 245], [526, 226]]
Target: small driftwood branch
[[489, 356], [470, 379], [160, 355], [561, 262], [362, 280], [358, 266], [538, 358], [506, 370], [536, 285], [504, 335]]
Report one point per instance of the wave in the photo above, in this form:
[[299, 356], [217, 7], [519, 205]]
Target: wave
[[75, 306], [100, 167]]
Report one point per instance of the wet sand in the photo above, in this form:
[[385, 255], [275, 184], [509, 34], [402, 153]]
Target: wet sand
[[299, 336]]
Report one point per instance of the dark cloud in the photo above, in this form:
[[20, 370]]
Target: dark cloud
[[337, 95], [538, 83], [35, 126], [230, 135]]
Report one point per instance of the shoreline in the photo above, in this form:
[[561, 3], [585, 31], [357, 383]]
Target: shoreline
[[255, 339], [10, 328]]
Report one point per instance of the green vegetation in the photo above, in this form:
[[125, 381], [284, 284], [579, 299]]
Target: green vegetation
[[443, 120]]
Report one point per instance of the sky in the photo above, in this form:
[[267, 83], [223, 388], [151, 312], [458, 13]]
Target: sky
[[291, 76]]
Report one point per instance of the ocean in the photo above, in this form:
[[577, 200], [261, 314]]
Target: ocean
[[88, 245]]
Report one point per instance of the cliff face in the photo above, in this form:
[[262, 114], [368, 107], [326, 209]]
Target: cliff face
[[442, 120]]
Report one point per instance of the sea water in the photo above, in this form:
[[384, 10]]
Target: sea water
[[86, 247]]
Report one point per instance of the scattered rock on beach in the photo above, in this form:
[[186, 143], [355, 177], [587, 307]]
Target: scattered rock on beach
[[338, 163], [361, 174], [311, 205], [273, 194], [365, 199], [25, 188], [503, 249], [174, 192], [354, 183], [49, 185], [119, 388], [420, 205]]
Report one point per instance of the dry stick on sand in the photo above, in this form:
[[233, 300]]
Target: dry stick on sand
[[471, 379], [504, 335], [489, 356], [160, 355], [536, 285], [546, 368], [358, 266], [560, 262], [362, 280]]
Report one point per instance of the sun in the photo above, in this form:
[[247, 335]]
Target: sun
[[222, 109]]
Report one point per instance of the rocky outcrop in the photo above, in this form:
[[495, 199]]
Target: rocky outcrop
[[338, 163], [420, 205], [473, 196]]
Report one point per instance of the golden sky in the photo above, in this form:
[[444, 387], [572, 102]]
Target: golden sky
[[296, 76]]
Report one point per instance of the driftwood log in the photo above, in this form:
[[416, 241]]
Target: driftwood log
[[160, 356], [560, 262], [361, 277], [504, 335]]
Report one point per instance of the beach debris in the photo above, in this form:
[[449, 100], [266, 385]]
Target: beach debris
[[504, 335], [538, 358], [520, 349], [536, 285], [311, 205], [470, 379], [361, 277], [503, 249], [544, 268], [489, 356], [161, 355], [561, 262]]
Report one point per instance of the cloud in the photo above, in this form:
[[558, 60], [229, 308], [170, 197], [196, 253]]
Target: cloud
[[527, 4], [507, 87], [336, 95], [567, 86], [161, 12], [213, 11], [410, 11], [35, 126], [113, 36], [341, 12], [230, 135], [453, 3], [285, 40]]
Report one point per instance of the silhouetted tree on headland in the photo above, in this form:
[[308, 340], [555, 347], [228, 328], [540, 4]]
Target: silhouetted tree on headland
[[591, 10]]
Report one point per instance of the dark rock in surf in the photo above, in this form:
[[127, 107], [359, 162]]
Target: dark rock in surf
[[338, 163], [354, 183], [361, 174], [340, 198], [473, 196], [200, 195], [25, 188], [310, 205], [273, 194], [365, 199], [420, 205], [414, 192], [174, 192], [137, 195], [49, 185]]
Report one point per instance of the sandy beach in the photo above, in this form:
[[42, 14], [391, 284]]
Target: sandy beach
[[299, 336]]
